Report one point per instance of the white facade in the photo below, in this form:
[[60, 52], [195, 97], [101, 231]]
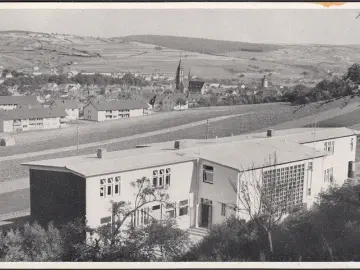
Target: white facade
[[8, 106], [92, 114], [206, 192], [30, 124], [181, 176], [72, 114]]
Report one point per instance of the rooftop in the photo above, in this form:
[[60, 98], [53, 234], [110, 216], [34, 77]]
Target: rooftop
[[65, 104], [242, 152], [119, 105], [21, 100], [28, 113]]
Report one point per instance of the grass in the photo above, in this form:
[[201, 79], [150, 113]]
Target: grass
[[265, 116]]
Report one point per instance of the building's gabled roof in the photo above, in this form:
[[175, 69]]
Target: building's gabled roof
[[28, 113], [175, 97], [20, 100], [119, 105], [65, 104], [195, 86]]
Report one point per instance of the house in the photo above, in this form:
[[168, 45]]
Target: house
[[168, 102], [71, 108], [196, 87], [97, 110], [27, 118], [13, 102], [202, 177], [174, 102]]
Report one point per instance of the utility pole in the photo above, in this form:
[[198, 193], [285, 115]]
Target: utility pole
[[207, 129]]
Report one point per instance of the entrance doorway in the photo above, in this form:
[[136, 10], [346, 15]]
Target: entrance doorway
[[206, 213]]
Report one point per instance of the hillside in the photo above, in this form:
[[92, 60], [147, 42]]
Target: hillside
[[208, 59], [201, 45]]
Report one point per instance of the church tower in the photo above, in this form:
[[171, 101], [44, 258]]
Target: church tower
[[179, 79]]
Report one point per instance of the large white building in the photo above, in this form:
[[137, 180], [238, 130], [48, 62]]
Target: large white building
[[97, 110], [202, 177], [25, 119]]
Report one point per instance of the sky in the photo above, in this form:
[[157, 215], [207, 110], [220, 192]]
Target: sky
[[292, 26]]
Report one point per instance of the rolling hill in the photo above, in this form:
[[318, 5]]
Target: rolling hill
[[210, 59]]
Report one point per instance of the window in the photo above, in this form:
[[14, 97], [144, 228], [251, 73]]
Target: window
[[155, 177], [223, 209], [310, 166], [156, 207], [161, 178], [109, 186], [284, 189], [183, 207], [329, 147], [105, 220], [352, 144], [117, 186], [171, 210], [329, 175], [208, 174], [102, 187], [167, 177]]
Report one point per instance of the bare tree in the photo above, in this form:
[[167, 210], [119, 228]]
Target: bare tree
[[122, 211], [258, 197]]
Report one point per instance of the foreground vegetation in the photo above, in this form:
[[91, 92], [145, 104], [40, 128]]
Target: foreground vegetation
[[330, 231]]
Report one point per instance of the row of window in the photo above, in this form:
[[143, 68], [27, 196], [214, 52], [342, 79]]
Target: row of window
[[110, 187], [111, 111], [161, 177], [142, 216], [329, 147]]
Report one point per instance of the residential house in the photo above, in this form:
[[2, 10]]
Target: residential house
[[97, 110], [28, 118], [202, 177], [174, 102], [196, 87], [13, 102], [71, 108]]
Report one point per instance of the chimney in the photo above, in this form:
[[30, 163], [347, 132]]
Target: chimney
[[101, 152], [180, 144], [270, 132]]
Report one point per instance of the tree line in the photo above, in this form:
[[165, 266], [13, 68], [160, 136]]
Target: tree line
[[83, 79]]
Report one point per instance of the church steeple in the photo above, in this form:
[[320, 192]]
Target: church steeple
[[179, 79]]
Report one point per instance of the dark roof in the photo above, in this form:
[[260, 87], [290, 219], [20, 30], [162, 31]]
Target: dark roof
[[119, 105], [65, 104], [21, 100], [195, 85], [26, 113]]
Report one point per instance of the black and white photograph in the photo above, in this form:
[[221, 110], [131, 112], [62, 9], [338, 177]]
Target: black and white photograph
[[179, 132]]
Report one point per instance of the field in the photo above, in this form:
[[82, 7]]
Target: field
[[285, 64], [262, 117]]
